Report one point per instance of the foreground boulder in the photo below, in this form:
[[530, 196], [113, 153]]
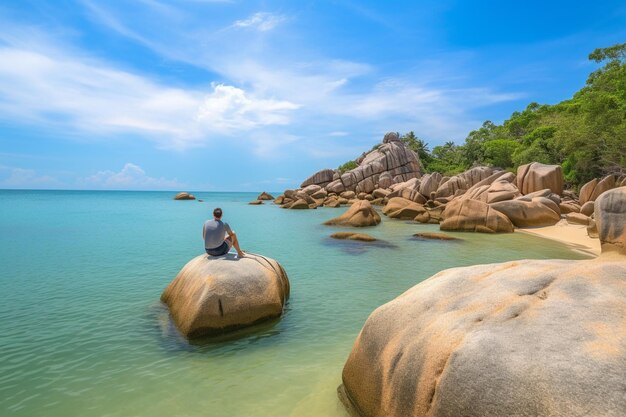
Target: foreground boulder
[[184, 196], [216, 295], [401, 208], [536, 176], [360, 214], [474, 216], [540, 338]]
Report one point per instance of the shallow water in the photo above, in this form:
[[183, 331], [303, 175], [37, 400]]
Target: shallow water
[[82, 331]]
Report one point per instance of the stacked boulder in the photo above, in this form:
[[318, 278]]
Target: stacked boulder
[[389, 163]]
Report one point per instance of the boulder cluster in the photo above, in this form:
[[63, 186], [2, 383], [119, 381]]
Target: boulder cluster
[[481, 199], [530, 337]]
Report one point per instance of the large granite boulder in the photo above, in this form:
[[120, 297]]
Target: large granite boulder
[[610, 219], [538, 212], [496, 187], [184, 196], [536, 176], [360, 214], [321, 178], [429, 183], [518, 339], [214, 295], [592, 190], [474, 216], [391, 157]]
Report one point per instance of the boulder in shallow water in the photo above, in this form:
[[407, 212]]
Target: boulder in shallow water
[[214, 295], [265, 196], [360, 214], [434, 236], [403, 209], [255, 202], [184, 196]]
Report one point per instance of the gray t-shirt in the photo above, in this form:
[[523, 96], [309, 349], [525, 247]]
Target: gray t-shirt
[[214, 233]]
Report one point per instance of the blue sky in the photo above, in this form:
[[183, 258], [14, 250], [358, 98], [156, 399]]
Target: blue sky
[[256, 95]]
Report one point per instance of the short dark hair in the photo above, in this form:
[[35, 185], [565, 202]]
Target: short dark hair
[[217, 212]]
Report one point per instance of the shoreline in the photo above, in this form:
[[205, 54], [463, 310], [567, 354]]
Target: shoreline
[[573, 235]]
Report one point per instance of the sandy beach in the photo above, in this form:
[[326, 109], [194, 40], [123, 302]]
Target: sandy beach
[[573, 235]]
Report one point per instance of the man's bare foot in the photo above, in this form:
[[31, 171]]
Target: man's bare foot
[[241, 254]]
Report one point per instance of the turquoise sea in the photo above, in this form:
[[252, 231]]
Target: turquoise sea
[[82, 331]]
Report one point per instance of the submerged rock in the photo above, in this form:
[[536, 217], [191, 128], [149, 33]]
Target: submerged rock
[[434, 236], [255, 202], [214, 295], [360, 214], [184, 196], [361, 237]]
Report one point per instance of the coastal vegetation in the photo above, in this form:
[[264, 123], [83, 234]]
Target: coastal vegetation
[[586, 134]]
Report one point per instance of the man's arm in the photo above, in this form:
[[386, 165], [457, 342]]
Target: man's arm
[[203, 231]]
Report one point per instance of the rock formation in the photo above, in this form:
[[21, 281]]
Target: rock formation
[[541, 338], [184, 196], [392, 161], [216, 295], [610, 219], [592, 190], [534, 213], [265, 196], [360, 214], [474, 216], [536, 176]]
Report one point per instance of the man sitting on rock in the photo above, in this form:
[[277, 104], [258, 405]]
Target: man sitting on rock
[[214, 233]]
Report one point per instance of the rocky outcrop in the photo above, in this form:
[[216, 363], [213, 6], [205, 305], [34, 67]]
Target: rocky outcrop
[[265, 196], [360, 214], [462, 182], [184, 196], [321, 178], [542, 338], [534, 213], [610, 219], [255, 202], [536, 176], [391, 159], [474, 216], [361, 237], [216, 295]]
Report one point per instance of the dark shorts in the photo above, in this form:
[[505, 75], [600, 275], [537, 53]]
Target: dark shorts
[[220, 250]]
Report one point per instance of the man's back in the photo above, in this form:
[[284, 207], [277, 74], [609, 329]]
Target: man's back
[[214, 233]]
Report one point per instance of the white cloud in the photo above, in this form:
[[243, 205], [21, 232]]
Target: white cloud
[[131, 176], [338, 133], [45, 84], [261, 21], [229, 108], [26, 178]]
